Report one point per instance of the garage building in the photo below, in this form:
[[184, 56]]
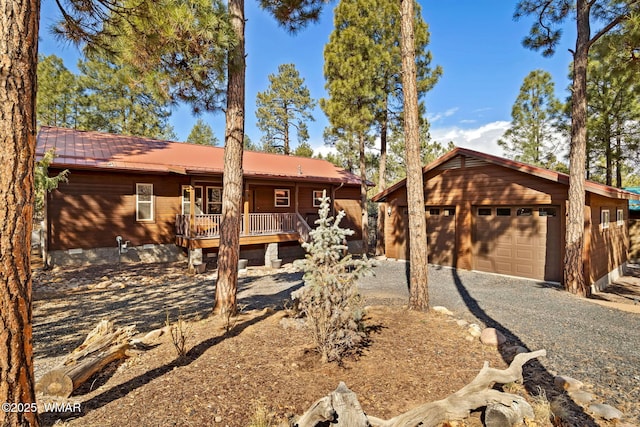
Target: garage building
[[496, 215]]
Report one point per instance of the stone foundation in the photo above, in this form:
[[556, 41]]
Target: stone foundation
[[145, 253]]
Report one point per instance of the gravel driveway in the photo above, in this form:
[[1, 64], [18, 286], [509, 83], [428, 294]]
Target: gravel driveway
[[597, 345]]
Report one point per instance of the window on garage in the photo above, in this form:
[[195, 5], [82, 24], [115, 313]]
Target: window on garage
[[604, 218], [620, 217], [484, 211], [524, 212], [547, 212], [434, 211], [449, 211], [503, 211]]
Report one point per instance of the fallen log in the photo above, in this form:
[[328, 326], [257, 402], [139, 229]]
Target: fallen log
[[505, 409], [103, 345]]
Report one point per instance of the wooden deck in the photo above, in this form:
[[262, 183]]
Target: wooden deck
[[256, 228]]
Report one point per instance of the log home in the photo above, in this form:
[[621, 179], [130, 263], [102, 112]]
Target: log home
[[495, 215], [131, 198]]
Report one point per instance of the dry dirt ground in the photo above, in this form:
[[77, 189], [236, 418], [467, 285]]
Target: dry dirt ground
[[258, 366]]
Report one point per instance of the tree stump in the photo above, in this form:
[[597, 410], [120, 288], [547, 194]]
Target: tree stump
[[103, 345]]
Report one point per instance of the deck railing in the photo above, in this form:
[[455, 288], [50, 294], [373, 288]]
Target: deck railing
[[208, 226]]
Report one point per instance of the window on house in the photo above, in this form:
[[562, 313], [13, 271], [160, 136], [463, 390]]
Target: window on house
[[604, 218], [484, 211], [214, 200], [524, 212], [503, 211], [449, 211], [620, 216], [434, 212], [281, 197], [547, 212], [317, 198], [186, 200], [144, 202]]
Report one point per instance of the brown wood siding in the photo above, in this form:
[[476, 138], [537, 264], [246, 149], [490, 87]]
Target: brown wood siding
[[264, 198], [396, 229], [463, 188], [634, 239], [608, 247], [93, 208]]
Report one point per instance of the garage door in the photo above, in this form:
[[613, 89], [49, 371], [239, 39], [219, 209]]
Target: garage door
[[519, 241], [441, 234]]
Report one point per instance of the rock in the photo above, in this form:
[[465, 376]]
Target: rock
[[492, 337], [474, 330], [607, 412], [118, 285], [103, 285], [218, 419], [442, 310], [462, 323], [581, 397], [567, 383]]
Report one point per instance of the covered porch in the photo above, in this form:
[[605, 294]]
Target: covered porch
[[203, 230]]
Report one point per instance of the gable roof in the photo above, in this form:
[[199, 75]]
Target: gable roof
[[559, 177], [103, 151]]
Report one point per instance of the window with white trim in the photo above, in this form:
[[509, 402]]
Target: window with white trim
[[282, 197], [620, 217], [317, 198], [604, 218], [186, 200], [144, 202]]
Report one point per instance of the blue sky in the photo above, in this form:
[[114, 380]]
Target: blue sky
[[477, 43]]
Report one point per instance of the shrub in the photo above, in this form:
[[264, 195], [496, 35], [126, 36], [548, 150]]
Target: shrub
[[330, 299]]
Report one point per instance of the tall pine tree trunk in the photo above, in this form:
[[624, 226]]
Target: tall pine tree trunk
[[619, 158], [419, 293], [382, 182], [18, 50], [574, 280], [227, 284], [608, 152], [363, 194]]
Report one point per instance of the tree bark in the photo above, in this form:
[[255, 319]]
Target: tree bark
[[363, 194], [18, 50], [227, 284], [103, 345], [419, 293], [382, 183], [574, 275]]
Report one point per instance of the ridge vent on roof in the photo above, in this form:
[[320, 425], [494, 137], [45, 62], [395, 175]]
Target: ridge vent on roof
[[454, 163]]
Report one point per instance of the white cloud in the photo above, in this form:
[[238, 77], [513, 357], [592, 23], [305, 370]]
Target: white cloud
[[483, 138], [439, 116]]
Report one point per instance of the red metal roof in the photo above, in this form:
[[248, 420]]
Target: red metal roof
[[94, 150], [562, 178]]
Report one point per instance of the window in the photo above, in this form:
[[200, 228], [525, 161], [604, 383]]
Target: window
[[484, 211], [503, 211], [186, 200], [214, 200], [524, 212], [547, 212], [449, 211], [317, 198], [434, 212], [604, 218], [620, 217], [144, 202], [281, 197]]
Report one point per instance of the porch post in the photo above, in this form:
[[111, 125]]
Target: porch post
[[192, 210], [246, 210], [296, 203]]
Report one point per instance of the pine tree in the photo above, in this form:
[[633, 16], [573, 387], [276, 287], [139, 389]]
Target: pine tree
[[545, 35], [330, 299], [303, 150], [202, 134], [286, 104], [57, 97], [532, 136], [115, 101]]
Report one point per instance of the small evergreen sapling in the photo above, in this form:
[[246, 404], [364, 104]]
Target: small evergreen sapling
[[330, 299]]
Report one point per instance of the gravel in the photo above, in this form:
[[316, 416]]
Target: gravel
[[597, 345]]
